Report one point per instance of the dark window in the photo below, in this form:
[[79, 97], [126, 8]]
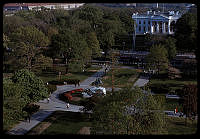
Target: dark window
[[139, 28], [149, 22], [139, 22], [144, 22]]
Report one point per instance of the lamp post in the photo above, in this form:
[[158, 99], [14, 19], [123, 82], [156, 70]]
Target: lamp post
[[123, 46], [134, 37]]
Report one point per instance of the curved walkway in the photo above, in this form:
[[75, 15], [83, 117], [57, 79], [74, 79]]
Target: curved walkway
[[54, 104]]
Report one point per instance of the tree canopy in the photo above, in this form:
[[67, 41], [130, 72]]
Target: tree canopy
[[128, 112], [157, 58], [186, 32]]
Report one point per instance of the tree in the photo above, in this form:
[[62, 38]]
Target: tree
[[170, 45], [93, 44], [26, 42], [157, 58], [69, 45], [190, 101], [11, 23], [33, 87], [13, 103], [186, 32], [128, 112], [42, 63], [91, 14]]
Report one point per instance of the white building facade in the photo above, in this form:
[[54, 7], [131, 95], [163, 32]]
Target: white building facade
[[155, 22]]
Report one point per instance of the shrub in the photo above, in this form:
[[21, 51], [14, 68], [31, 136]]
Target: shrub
[[31, 108], [34, 88], [12, 103], [56, 82], [51, 88]]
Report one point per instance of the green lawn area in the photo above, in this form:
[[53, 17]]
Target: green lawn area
[[71, 123], [65, 123], [164, 86], [176, 125], [49, 76], [122, 77]]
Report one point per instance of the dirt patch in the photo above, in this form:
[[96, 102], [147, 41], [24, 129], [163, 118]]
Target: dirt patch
[[39, 129], [92, 70], [44, 125], [84, 131], [76, 98], [105, 77]]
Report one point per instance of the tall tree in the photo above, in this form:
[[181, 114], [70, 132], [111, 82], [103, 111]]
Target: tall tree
[[93, 44], [170, 45], [128, 112], [26, 42], [157, 58], [33, 87], [67, 44], [189, 101], [91, 14], [186, 32]]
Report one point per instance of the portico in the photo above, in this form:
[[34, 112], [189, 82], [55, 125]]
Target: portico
[[155, 22]]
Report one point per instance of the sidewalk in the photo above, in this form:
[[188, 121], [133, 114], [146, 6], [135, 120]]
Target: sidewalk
[[54, 104]]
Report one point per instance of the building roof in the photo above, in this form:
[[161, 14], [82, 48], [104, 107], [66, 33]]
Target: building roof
[[32, 4]]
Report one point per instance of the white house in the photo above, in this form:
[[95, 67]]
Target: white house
[[155, 22]]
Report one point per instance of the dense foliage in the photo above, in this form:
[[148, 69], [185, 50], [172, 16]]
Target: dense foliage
[[128, 112], [77, 35]]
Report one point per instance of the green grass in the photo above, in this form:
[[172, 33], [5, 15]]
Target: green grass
[[67, 123], [122, 78], [176, 126], [49, 76]]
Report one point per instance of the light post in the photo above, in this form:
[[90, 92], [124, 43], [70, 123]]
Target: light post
[[123, 46], [134, 37]]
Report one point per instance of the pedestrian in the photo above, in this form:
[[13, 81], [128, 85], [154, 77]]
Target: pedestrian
[[175, 111], [67, 105], [48, 99], [29, 117]]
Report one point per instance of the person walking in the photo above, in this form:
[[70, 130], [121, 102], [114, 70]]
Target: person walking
[[67, 105], [29, 117], [175, 111], [48, 99]]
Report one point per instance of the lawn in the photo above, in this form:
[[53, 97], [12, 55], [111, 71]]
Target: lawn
[[165, 86], [49, 76], [122, 77], [176, 126], [64, 123]]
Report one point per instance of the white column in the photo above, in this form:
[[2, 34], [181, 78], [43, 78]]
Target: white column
[[163, 27], [147, 25], [157, 27], [169, 27], [151, 27]]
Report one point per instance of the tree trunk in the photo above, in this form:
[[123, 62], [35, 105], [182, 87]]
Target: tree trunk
[[66, 65]]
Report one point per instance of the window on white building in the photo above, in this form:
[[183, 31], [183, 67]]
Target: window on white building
[[139, 28]]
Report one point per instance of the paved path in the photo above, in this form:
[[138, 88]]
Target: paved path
[[141, 81], [54, 104]]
